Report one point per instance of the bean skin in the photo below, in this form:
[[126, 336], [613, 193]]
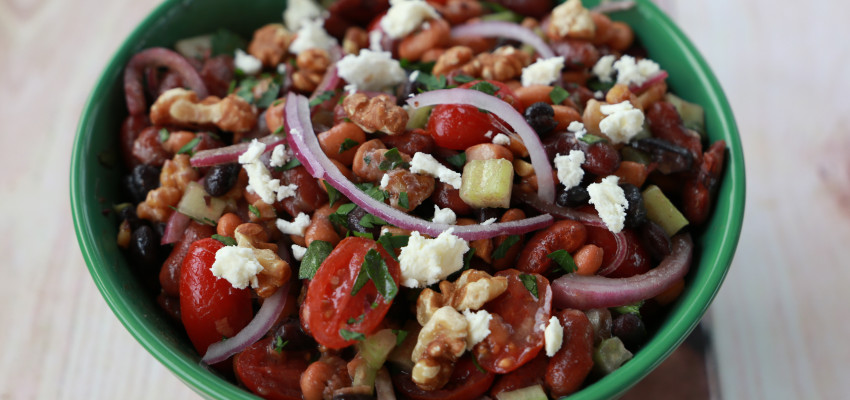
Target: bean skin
[[572, 363], [563, 235]]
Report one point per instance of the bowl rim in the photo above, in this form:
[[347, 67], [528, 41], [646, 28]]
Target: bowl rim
[[679, 323]]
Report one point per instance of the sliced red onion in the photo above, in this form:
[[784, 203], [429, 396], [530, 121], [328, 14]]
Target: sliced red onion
[[660, 76], [586, 292], [305, 146], [254, 331], [175, 228], [545, 182], [152, 58], [622, 250], [613, 6], [507, 30], [230, 154], [384, 385]]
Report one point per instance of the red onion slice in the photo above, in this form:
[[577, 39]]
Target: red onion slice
[[230, 154], [254, 331], [586, 292], [660, 76], [507, 30], [175, 228], [545, 182], [134, 91], [305, 146], [613, 6], [622, 250]]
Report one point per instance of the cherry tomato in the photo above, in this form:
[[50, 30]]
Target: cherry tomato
[[329, 306], [210, 308], [572, 363], [466, 382], [530, 374], [458, 127], [637, 260], [516, 330], [271, 374]]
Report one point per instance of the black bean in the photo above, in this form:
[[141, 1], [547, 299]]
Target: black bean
[[144, 248], [636, 213], [573, 197], [483, 214], [290, 332], [142, 179], [221, 179], [541, 117], [127, 212], [655, 240], [630, 329], [404, 91], [353, 223], [670, 157]]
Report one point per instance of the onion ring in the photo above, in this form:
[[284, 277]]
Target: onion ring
[[134, 91], [507, 30], [230, 154]]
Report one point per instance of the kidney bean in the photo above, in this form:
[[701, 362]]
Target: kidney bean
[[630, 329], [601, 158], [147, 149], [507, 261], [130, 129], [217, 73], [169, 274], [530, 374], [699, 189], [655, 240], [578, 54], [562, 235], [665, 123], [415, 141], [636, 260], [446, 196], [572, 363], [309, 196]]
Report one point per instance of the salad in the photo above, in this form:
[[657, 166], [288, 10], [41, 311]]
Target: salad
[[414, 199]]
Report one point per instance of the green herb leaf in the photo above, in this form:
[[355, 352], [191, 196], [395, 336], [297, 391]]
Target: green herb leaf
[[349, 335], [400, 335], [225, 240], [367, 160], [277, 102], [379, 273], [164, 135], [231, 87], [591, 139], [367, 235], [417, 66], [392, 242], [333, 194], [596, 85], [254, 210], [463, 78], [226, 42], [403, 201], [457, 160], [485, 87], [373, 191], [430, 82], [269, 96], [289, 165], [558, 95], [564, 259], [188, 148], [246, 89], [477, 365], [340, 216], [467, 258], [317, 252], [278, 131], [503, 248], [530, 283], [347, 144], [322, 97], [360, 281], [279, 344], [370, 221], [629, 308], [392, 160]]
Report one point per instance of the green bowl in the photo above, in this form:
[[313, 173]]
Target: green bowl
[[95, 186]]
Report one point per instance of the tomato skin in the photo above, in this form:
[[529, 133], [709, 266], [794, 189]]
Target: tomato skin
[[466, 382], [516, 330], [329, 305], [269, 374], [458, 127], [210, 308]]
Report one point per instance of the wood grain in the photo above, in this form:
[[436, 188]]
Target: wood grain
[[779, 324]]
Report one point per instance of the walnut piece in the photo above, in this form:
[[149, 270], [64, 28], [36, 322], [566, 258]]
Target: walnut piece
[[439, 344], [571, 19], [181, 107], [275, 271], [503, 64], [417, 188], [355, 39], [471, 291], [271, 44], [378, 113], [452, 59], [175, 175]]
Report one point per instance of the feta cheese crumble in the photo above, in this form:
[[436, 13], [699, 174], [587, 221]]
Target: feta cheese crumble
[[630, 72], [371, 70], [489, 221], [444, 215], [604, 68], [238, 265], [478, 326], [247, 63], [405, 16], [426, 164], [385, 181], [426, 261], [610, 202], [298, 252], [502, 139], [259, 178], [622, 123], [311, 35], [297, 227], [577, 128], [279, 156], [543, 71], [569, 168], [553, 336], [571, 17], [300, 11]]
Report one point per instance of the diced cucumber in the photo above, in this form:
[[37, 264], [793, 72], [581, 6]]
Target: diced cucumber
[[535, 392], [418, 117], [373, 352], [487, 183], [610, 355], [660, 210], [693, 115], [197, 204]]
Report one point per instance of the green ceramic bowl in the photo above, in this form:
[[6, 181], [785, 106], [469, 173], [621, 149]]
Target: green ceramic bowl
[[94, 186]]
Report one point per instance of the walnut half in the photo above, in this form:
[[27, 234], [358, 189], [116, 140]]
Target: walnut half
[[378, 113], [440, 343], [181, 107], [275, 271]]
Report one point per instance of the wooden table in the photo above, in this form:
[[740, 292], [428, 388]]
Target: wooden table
[[778, 327]]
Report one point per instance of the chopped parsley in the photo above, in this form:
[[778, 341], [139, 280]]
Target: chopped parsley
[[457, 160], [629, 308], [591, 139], [289, 165], [246, 89], [400, 335], [558, 95], [278, 131], [431, 82], [373, 191], [164, 135], [370, 221], [317, 252], [333, 194], [485, 87], [477, 365], [463, 78], [503, 248], [340, 216], [403, 201], [189, 148], [367, 235], [322, 97], [467, 258], [393, 160], [417, 66], [279, 344], [254, 210], [530, 283], [347, 144], [564, 260], [392, 242], [349, 335], [374, 268], [225, 240], [269, 96]]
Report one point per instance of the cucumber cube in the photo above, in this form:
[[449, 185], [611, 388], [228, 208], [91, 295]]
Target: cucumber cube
[[197, 204], [487, 183], [660, 210]]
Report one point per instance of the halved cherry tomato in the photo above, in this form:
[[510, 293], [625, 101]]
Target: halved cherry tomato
[[211, 308], [530, 374], [516, 330], [330, 307], [271, 374], [466, 382], [637, 259], [458, 127]]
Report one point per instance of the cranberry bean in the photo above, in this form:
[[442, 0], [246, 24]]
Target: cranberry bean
[[563, 235], [416, 141], [446, 196]]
